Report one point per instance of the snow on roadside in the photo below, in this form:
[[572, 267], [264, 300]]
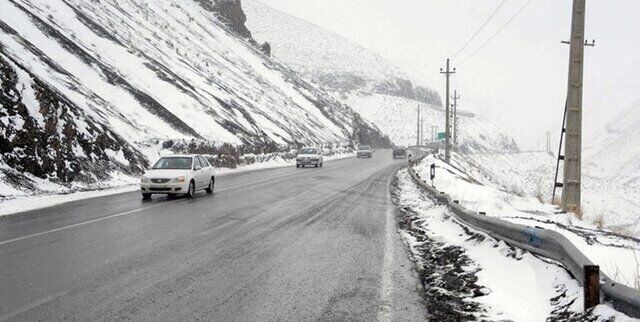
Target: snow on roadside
[[119, 184], [618, 256], [509, 284], [606, 201]]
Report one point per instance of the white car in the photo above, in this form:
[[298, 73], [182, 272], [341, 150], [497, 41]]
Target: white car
[[178, 175], [309, 156], [364, 151]]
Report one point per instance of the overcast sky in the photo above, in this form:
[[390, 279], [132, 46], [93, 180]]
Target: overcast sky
[[520, 77]]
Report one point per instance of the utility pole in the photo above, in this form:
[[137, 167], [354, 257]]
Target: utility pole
[[573, 142], [447, 117], [418, 126], [455, 118], [421, 131], [548, 142]]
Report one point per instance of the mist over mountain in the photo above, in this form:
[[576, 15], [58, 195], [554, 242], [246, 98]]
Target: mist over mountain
[[328, 59], [378, 90]]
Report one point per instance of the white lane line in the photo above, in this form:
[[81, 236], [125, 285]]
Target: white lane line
[[386, 291], [32, 305], [82, 223]]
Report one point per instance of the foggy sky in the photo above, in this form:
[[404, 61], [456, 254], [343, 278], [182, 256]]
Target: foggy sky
[[520, 77]]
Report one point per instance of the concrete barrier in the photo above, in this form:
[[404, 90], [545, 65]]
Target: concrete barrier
[[537, 240]]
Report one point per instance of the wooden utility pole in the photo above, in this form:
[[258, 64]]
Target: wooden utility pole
[[455, 118], [447, 116], [573, 131]]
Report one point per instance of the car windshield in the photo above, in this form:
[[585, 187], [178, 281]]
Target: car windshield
[[308, 151], [364, 147], [167, 163]]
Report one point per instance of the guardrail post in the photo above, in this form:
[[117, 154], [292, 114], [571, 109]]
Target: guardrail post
[[591, 286]]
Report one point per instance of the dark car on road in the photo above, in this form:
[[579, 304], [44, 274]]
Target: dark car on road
[[399, 152]]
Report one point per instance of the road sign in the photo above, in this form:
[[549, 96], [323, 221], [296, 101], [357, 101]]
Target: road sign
[[441, 135]]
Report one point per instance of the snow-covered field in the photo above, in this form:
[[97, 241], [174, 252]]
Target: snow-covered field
[[22, 201], [493, 280], [512, 197]]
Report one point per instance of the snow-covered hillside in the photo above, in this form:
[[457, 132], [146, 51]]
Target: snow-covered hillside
[[88, 86], [472, 181], [613, 153], [397, 117], [605, 204], [329, 59]]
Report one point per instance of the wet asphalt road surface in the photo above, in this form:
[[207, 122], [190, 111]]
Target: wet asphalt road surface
[[280, 244]]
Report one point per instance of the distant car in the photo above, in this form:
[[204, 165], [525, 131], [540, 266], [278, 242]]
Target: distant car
[[178, 175], [309, 156], [399, 152], [364, 151]]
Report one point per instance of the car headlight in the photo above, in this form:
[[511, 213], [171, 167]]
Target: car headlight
[[144, 179], [179, 179]]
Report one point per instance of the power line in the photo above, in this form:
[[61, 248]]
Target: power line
[[496, 33], [480, 29]]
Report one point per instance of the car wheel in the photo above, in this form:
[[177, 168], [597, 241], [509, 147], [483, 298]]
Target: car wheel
[[317, 164], [209, 189], [146, 196], [192, 190]]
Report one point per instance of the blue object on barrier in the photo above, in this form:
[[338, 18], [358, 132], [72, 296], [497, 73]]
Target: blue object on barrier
[[534, 240]]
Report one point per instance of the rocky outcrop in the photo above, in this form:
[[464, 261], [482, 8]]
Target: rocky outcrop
[[230, 13], [47, 136]]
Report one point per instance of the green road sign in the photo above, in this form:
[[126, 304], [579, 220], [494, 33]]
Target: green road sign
[[441, 135]]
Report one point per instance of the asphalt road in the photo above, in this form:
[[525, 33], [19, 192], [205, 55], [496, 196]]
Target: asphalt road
[[280, 244]]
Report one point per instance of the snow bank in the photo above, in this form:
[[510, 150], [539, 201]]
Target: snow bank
[[618, 256]]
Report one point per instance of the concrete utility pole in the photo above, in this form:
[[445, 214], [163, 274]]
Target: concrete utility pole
[[548, 142], [447, 117], [455, 118], [421, 131], [418, 126], [573, 143]]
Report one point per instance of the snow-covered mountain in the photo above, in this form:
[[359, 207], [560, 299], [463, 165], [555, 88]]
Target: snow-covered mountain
[[89, 86], [328, 59], [361, 79]]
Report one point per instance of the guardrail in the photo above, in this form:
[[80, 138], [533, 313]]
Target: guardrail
[[540, 241]]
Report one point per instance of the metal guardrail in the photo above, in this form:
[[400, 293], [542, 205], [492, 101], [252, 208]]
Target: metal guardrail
[[540, 241]]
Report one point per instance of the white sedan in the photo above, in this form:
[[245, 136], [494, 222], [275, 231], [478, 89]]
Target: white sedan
[[178, 175], [309, 156]]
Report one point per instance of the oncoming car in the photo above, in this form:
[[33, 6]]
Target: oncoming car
[[178, 175], [309, 156], [364, 151], [399, 152]]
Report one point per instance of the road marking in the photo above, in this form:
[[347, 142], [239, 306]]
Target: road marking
[[384, 313], [32, 305], [82, 223]]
